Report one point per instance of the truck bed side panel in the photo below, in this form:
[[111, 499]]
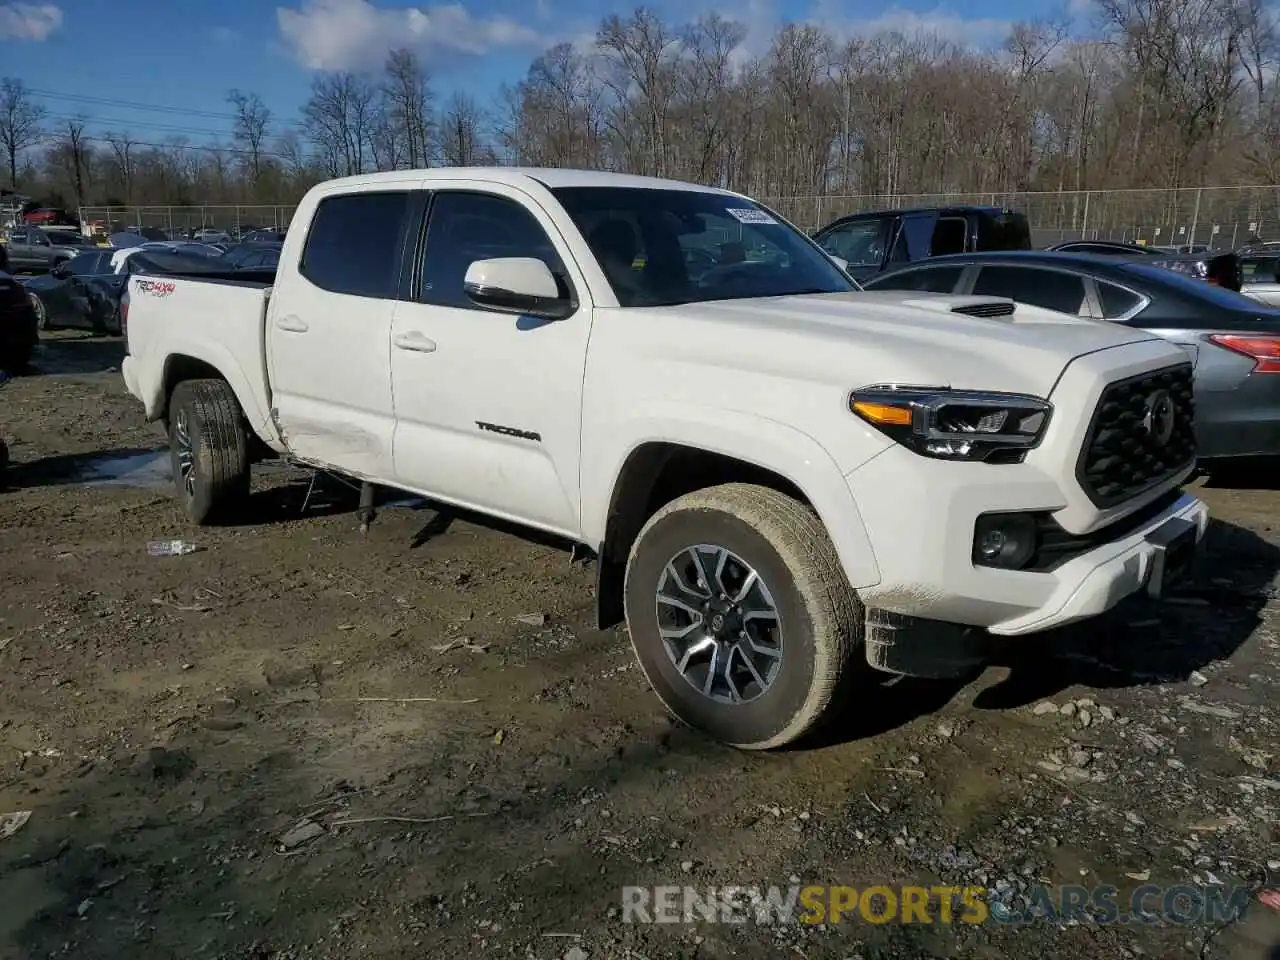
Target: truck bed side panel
[[173, 320]]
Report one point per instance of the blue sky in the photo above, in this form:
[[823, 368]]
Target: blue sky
[[163, 67]]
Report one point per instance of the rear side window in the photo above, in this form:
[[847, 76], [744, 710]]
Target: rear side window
[[1051, 289], [1116, 301], [355, 242], [927, 280]]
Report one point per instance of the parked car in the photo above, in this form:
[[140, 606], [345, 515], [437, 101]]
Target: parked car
[[18, 326], [262, 236], [82, 292], [49, 217], [872, 242], [32, 249], [252, 256], [1260, 277], [211, 235], [85, 292], [1233, 341], [777, 491], [1221, 268]]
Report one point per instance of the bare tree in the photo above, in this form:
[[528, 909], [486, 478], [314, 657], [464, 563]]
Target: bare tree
[[340, 118], [407, 96], [461, 133], [249, 130], [122, 151], [640, 53], [72, 152], [20, 120]]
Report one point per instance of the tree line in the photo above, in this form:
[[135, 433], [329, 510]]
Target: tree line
[[1158, 93]]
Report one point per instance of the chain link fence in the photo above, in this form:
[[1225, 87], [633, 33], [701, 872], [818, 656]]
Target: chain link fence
[[1226, 217], [179, 221]]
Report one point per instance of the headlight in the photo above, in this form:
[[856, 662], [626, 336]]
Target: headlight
[[955, 424]]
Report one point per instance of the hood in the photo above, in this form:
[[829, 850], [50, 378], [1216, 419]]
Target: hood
[[905, 337]]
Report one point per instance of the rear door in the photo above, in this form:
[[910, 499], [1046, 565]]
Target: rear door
[[329, 332]]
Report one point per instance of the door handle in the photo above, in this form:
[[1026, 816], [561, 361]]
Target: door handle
[[414, 341], [292, 324]]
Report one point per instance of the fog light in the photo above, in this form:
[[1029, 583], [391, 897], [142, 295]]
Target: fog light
[[1006, 540]]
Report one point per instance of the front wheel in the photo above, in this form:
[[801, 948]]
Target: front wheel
[[208, 450], [741, 616]]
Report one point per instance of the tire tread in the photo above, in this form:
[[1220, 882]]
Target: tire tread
[[801, 540]]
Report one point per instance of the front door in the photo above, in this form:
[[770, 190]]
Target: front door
[[329, 333], [488, 405]]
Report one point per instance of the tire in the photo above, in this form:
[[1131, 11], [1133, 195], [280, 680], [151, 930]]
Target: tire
[[42, 315], [818, 614], [206, 429]]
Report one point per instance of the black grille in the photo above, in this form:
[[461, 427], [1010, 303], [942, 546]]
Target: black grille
[[996, 309], [1124, 454]]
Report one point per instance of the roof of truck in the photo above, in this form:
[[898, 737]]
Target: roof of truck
[[550, 177]]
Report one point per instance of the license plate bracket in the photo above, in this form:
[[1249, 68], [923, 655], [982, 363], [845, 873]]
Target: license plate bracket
[[1175, 548]]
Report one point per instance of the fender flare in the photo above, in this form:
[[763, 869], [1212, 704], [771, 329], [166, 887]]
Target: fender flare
[[769, 444], [227, 366]]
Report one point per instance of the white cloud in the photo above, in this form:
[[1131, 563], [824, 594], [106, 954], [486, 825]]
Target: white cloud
[[28, 21], [357, 34], [950, 26], [965, 31]]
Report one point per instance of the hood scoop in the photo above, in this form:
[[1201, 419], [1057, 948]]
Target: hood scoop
[[986, 307], [992, 308]]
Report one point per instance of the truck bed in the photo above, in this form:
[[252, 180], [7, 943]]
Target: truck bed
[[213, 318]]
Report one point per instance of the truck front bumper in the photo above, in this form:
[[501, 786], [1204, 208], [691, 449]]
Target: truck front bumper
[[921, 525]]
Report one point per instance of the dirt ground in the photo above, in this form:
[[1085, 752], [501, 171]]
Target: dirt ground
[[169, 721]]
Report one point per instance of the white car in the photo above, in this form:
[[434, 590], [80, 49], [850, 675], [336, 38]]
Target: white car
[[783, 479]]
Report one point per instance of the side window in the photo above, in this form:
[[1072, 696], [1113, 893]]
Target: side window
[[861, 242], [949, 236], [926, 280], [1050, 289], [1116, 301], [465, 227], [38, 238], [17, 236], [354, 244], [918, 231], [85, 264]]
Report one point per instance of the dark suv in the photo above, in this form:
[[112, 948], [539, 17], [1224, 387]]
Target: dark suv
[[872, 242]]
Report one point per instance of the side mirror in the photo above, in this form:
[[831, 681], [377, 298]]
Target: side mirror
[[840, 262], [519, 285], [61, 269]]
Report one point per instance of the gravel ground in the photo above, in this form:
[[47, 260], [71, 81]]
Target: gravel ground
[[228, 755]]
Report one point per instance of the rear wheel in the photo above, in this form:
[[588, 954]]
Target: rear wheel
[[741, 616], [208, 450]]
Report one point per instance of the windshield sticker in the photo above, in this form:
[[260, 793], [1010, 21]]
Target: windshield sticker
[[747, 215]]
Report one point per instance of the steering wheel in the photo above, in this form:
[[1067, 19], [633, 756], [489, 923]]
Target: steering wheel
[[729, 273]]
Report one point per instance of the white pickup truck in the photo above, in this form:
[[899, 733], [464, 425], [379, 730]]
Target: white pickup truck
[[784, 480]]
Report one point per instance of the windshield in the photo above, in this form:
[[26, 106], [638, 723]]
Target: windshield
[[662, 247]]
